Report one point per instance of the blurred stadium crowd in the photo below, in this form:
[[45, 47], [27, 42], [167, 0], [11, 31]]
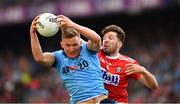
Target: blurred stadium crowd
[[152, 40]]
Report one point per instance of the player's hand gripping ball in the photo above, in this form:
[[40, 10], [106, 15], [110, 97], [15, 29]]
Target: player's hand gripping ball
[[47, 25]]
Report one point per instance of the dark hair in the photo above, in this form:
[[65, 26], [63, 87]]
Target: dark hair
[[69, 33], [116, 29]]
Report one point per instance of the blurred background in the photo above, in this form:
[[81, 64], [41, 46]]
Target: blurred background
[[152, 38]]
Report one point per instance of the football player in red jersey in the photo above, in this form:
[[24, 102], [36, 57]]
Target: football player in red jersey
[[118, 68]]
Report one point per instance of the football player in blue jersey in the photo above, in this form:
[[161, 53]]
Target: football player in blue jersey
[[77, 64]]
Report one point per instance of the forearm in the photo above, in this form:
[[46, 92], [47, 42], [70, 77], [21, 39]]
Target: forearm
[[46, 59], [35, 47], [146, 78], [150, 79], [88, 33], [94, 40]]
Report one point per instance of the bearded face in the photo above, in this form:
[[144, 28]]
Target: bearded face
[[110, 43]]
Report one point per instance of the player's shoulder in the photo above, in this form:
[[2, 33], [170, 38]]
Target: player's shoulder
[[85, 50], [58, 52], [126, 58]]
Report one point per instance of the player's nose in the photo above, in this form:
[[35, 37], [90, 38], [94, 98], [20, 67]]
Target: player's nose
[[105, 41], [71, 48]]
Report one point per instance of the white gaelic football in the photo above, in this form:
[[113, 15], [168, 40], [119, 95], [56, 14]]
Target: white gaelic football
[[47, 25]]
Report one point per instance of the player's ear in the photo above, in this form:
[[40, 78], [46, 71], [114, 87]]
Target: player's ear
[[81, 41], [61, 43], [120, 44]]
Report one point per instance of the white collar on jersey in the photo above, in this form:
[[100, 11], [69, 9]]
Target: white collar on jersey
[[113, 57]]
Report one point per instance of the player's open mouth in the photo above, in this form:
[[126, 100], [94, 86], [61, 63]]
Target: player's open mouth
[[105, 46], [72, 55]]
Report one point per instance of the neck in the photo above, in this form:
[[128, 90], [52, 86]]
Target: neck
[[113, 55]]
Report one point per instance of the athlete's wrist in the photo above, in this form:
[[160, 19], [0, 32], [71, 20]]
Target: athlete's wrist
[[143, 70]]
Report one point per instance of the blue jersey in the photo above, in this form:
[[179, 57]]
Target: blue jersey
[[82, 76]]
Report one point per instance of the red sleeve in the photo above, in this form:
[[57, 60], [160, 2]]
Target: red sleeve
[[135, 76]]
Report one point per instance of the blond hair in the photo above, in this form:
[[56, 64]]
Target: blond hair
[[69, 33]]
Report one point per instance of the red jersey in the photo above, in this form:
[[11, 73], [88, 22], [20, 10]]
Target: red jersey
[[115, 79]]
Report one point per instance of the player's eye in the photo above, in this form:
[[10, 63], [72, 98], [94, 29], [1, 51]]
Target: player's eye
[[68, 45], [111, 38], [74, 45]]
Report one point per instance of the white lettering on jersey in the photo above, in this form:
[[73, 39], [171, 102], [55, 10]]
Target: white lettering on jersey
[[109, 78]]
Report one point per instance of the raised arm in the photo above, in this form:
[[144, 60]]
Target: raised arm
[[47, 58], [94, 40], [147, 78]]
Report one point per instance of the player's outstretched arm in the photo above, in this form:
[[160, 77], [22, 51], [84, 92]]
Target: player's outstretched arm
[[46, 59], [147, 78], [94, 40]]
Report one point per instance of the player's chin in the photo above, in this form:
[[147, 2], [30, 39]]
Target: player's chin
[[72, 56], [105, 50]]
